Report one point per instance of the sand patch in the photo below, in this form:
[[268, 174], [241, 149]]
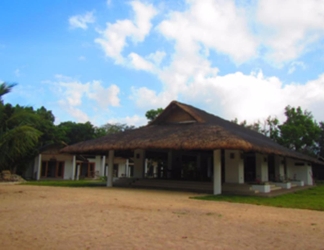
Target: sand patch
[[100, 218]]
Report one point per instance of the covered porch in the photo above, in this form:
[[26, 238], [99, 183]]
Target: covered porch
[[214, 171]]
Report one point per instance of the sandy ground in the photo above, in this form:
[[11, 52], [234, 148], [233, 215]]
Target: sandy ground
[[34, 217]]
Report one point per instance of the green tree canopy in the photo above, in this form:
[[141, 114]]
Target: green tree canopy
[[153, 113], [17, 132], [111, 128], [72, 132], [300, 131]]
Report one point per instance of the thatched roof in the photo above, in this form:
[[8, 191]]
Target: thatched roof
[[183, 127]]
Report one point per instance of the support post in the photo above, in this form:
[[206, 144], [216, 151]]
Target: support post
[[78, 171], [127, 168], [279, 168], [39, 165], [145, 167], [217, 179], [103, 164], [261, 162], [110, 168], [73, 168]]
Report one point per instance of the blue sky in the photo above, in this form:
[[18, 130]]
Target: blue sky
[[111, 61]]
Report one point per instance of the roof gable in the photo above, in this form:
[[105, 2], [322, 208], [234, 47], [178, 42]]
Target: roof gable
[[177, 112]]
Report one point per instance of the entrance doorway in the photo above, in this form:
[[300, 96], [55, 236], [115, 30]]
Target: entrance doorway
[[249, 168]]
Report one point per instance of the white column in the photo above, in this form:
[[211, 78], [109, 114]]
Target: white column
[[78, 171], [73, 168], [217, 180], [309, 179], [103, 164], [234, 167], [110, 168], [279, 168], [39, 166], [127, 168], [145, 168], [261, 163]]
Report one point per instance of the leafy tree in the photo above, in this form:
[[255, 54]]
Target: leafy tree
[[5, 88], [321, 140], [71, 132], [153, 113], [110, 128], [17, 133], [256, 126], [299, 132]]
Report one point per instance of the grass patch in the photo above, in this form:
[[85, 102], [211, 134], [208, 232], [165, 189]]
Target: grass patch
[[66, 183], [312, 199]]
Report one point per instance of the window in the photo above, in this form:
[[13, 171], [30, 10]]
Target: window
[[52, 169], [88, 169]]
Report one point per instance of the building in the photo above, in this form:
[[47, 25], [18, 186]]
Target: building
[[51, 164], [189, 144]]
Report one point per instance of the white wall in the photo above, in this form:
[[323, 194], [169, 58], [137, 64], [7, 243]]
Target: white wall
[[67, 159], [234, 167], [302, 173], [261, 163], [117, 160]]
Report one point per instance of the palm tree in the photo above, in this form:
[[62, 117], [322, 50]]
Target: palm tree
[[17, 134], [5, 88]]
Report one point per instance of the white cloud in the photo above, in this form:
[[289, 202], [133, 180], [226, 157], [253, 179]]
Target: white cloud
[[147, 99], [156, 57], [81, 21], [289, 27], [114, 38], [134, 120], [104, 96], [293, 66], [223, 27], [139, 63], [246, 97], [77, 96], [218, 25], [17, 72], [74, 112]]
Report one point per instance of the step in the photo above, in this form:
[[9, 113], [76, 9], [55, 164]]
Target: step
[[273, 188]]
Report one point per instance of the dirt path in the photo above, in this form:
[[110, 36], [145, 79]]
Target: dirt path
[[100, 218]]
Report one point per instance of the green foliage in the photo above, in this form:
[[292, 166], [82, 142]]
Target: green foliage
[[321, 140], [312, 199], [5, 88], [153, 113], [71, 132], [299, 132], [272, 129], [17, 132], [110, 128]]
